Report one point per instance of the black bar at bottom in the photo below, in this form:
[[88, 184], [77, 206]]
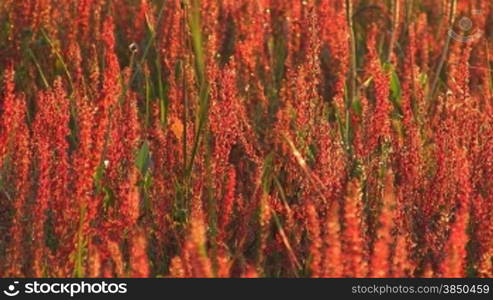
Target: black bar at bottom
[[131, 288]]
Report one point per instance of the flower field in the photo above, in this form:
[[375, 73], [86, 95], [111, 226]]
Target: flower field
[[246, 138]]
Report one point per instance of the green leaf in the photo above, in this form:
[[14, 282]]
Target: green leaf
[[143, 158], [98, 177], [267, 172], [146, 186], [395, 84], [109, 198], [395, 87]]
